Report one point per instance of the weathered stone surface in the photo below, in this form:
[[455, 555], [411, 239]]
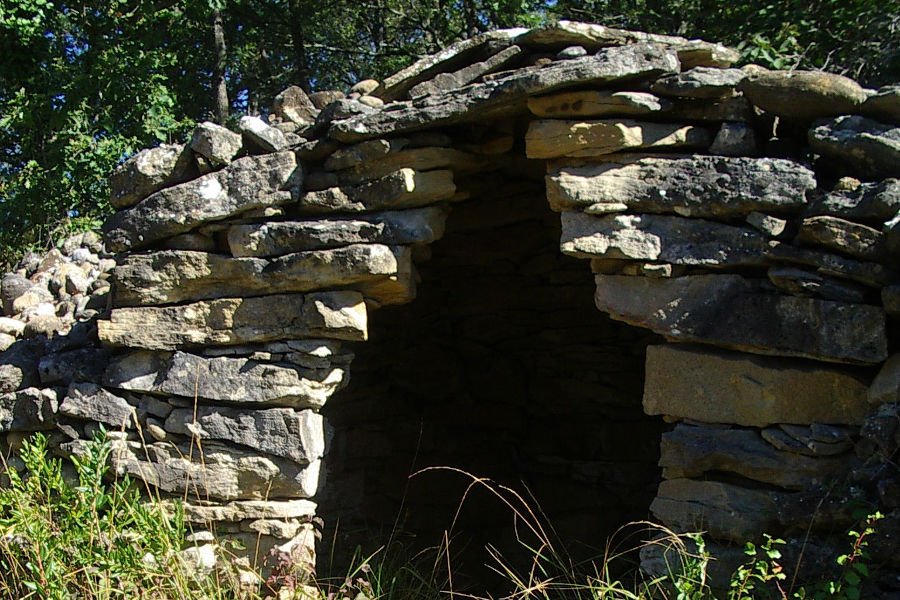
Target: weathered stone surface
[[803, 94], [507, 95], [415, 226], [725, 511], [733, 312], [801, 282], [225, 472], [228, 380], [12, 327], [149, 171], [335, 315], [699, 82], [299, 436], [454, 56], [6, 341], [716, 186], [767, 224], [690, 451], [729, 387], [216, 143], [402, 189], [196, 511], [665, 238], [12, 287], [91, 402], [593, 36], [852, 239], [812, 440], [884, 106], [890, 297], [867, 145], [735, 139], [259, 135], [294, 105], [552, 138], [83, 364], [350, 156], [19, 365], [417, 159], [30, 409], [247, 183], [736, 110], [871, 203], [885, 387], [448, 81], [171, 276], [867, 273], [596, 103]]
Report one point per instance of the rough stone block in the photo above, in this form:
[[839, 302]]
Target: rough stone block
[[402, 189], [733, 312], [553, 138], [743, 389], [31, 409], [334, 315]]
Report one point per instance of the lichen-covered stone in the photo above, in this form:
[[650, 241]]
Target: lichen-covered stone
[[247, 183]]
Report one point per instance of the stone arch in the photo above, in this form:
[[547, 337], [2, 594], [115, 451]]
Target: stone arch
[[246, 264]]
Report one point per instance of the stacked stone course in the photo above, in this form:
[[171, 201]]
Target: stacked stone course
[[750, 217]]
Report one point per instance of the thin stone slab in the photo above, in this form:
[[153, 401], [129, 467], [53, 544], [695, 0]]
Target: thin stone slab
[[596, 103], [801, 282], [230, 321], [449, 81], [198, 511], [402, 189], [868, 273], [453, 57], [223, 379], [417, 159], [171, 276], [350, 156], [804, 95], [697, 186], [870, 203], [846, 237], [593, 36], [733, 312], [724, 511], [691, 451], [883, 106], [663, 238], [702, 384], [869, 146], [735, 109], [699, 82], [296, 435], [247, 183], [508, 95], [220, 471], [414, 226], [552, 138]]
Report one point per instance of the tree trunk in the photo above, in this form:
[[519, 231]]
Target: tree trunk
[[219, 84], [298, 41]]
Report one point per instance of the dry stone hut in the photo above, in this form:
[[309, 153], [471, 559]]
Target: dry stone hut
[[604, 265]]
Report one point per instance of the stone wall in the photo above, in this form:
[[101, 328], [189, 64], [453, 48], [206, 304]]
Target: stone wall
[[742, 223]]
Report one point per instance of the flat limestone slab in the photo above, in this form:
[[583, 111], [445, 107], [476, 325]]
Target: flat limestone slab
[[247, 183], [697, 186], [724, 511], [665, 238], [744, 389], [552, 138], [507, 95], [414, 226], [221, 379], [693, 451], [230, 321], [225, 472], [405, 188], [171, 276], [732, 312], [596, 103]]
